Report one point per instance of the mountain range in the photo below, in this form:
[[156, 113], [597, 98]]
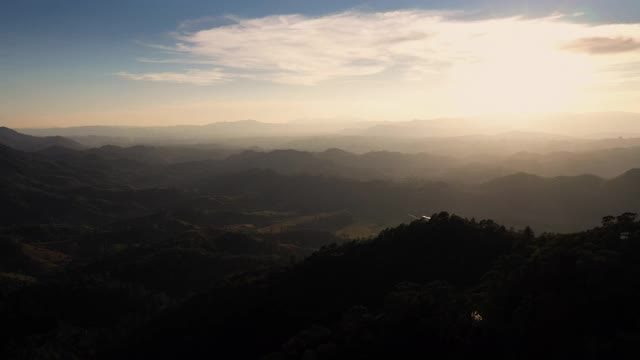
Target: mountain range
[[211, 251], [381, 188]]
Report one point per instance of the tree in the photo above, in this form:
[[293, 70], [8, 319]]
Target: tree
[[608, 220]]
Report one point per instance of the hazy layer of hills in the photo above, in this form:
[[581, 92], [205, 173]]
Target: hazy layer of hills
[[571, 192], [461, 159], [588, 125], [450, 137]]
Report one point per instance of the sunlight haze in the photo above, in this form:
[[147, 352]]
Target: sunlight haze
[[391, 65]]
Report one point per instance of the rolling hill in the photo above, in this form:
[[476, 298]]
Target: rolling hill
[[19, 141]]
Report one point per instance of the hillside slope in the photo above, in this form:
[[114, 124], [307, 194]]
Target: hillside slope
[[24, 142], [448, 287]]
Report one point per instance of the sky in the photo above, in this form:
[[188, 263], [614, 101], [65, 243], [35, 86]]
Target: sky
[[165, 62]]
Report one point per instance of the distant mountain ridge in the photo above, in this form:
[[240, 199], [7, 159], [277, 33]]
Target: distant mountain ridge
[[19, 141], [243, 128], [545, 126], [215, 159]]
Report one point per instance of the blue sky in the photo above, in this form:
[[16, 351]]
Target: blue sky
[[60, 59]]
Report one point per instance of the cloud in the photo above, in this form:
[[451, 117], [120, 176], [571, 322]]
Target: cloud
[[411, 45], [604, 45], [195, 77], [301, 50], [175, 61]]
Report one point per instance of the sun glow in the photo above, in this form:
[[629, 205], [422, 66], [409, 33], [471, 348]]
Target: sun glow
[[396, 65], [463, 67], [518, 77]]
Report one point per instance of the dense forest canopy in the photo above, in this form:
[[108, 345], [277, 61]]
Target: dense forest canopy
[[446, 286]]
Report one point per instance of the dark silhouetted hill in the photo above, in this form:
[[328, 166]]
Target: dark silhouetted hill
[[24, 142], [445, 288]]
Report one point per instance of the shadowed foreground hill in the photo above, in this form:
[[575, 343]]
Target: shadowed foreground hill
[[448, 287]]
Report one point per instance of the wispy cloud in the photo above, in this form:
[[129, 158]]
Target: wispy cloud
[[296, 49], [195, 77], [604, 45], [176, 61]]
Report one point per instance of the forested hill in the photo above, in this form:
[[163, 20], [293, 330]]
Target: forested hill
[[88, 187], [25, 142], [445, 288]]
